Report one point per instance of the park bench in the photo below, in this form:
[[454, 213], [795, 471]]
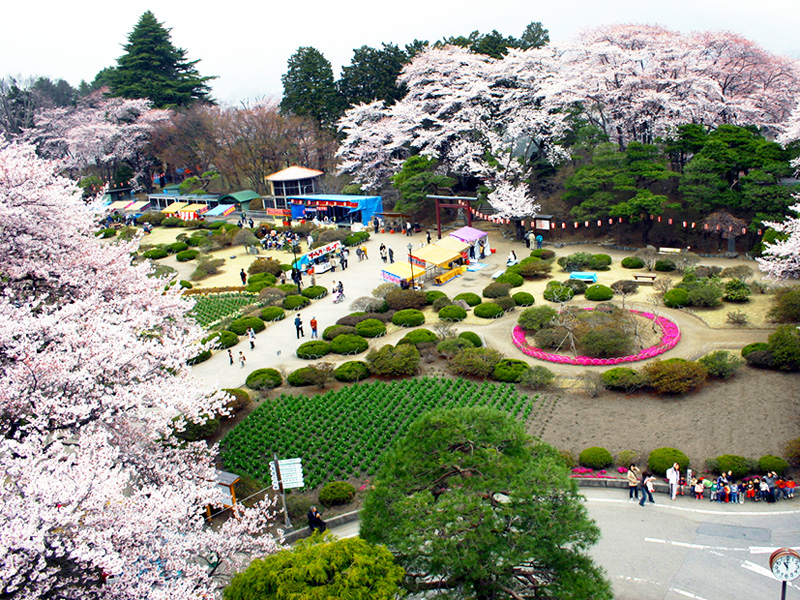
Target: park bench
[[646, 277], [586, 276], [670, 250]]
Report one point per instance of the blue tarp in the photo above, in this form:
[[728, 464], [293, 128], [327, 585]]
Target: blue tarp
[[368, 205], [218, 210]]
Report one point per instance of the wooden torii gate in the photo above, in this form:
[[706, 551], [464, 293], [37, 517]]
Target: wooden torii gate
[[459, 204]]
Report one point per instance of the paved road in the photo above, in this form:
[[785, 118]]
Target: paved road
[[688, 548]]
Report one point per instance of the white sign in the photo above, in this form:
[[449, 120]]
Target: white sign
[[317, 252], [291, 473]]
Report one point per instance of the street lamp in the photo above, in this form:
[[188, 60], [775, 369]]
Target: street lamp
[[411, 264], [294, 266]]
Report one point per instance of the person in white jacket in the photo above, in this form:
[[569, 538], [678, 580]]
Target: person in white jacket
[[673, 477]]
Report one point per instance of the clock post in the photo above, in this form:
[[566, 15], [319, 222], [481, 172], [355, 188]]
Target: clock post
[[785, 565]]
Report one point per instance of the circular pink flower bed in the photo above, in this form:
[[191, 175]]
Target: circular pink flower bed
[[670, 335]]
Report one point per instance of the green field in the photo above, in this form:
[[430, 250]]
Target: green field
[[211, 308], [345, 433]]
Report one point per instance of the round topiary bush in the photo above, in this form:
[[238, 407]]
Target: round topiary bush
[[353, 370], [242, 324], [302, 377], [264, 379], [172, 222], [676, 298], [186, 255], [409, 317], [336, 493], [664, 265], [469, 298], [289, 288], [348, 344], [262, 276], [295, 302], [226, 339], [187, 285], [452, 346], [488, 310], [197, 359], [556, 292], [753, 347], [371, 328], [240, 399], [472, 337], [536, 318], [419, 336], [524, 299], [577, 285], [543, 254], [452, 313], [599, 293], [440, 303], [770, 462], [510, 370], [596, 458], [194, 432], [432, 295], [505, 302], [512, 279], [739, 466], [622, 379], [313, 349], [495, 290], [176, 247], [662, 459], [155, 253], [314, 292], [336, 330], [272, 313], [106, 233], [632, 262]]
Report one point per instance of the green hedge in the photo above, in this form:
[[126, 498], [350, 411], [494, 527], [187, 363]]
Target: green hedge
[[419, 336], [264, 379], [313, 349], [242, 324], [662, 459], [336, 330], [155, 253], [488, 310], [753, 347], [469, 298], [665, 266], [224, 339], [512, 279], [452, 313], [371, 328], [596, 457], [495, 290], [510, 370], [739, 466], [676, 298], [187, 255], [452, 346], [622, 379], [348, 344], [524, 299], [432, 295], [315, 291], [772, 463], [302, 377], [409, 317], [176, 247], [295, 302], [632, 262], [272, 313], [472, 337], [599, 293], [353, 370], [336, 493], [543, 254]]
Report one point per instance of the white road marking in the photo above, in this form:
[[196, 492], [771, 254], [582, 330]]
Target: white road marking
[[695, 546], [700, 511], [638, 580], [687, 594]]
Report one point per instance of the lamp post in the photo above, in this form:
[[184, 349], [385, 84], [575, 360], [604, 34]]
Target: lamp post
[[294, 266], [411, 264]]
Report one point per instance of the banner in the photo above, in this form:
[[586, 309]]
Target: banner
[[322, 250]]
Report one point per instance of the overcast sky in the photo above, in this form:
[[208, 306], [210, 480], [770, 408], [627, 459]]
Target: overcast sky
[[247, 44]]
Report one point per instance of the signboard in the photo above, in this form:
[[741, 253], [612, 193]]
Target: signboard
[[417, 261], [279, 212], [391, 277], [322, 250], [291, 473], [542, 223]]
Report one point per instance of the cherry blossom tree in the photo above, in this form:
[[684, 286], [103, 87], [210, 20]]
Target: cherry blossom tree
[[99, 498], [791, 133], [98, 131], [781, 259]]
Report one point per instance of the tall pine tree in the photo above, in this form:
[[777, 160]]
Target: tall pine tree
[[309, 88], [153, 68]]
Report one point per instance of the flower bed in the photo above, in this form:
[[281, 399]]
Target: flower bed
[[602, 474], [670, 336]]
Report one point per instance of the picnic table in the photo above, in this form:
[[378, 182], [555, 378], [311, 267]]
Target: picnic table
[[646, 277], [586, 276]]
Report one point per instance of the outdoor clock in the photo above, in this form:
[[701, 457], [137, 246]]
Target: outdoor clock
[[785, 564]]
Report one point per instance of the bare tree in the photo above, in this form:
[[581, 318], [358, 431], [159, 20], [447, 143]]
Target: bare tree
[[625, 288], [649, 256]]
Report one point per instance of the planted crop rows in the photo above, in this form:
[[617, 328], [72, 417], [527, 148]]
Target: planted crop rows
[[345, 433], [212, 308]]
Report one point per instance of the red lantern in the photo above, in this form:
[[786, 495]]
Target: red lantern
[[670, 221], [563, 226], [659, 219], [692, 224], [684, 224], [599, 223], [611, 221], [586, 223]]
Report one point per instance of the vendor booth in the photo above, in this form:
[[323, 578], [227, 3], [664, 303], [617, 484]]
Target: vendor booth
[[399, 272], [139, 206], [173, 208], [454, 244], [221, 210], [120, 204], [318, 258], [470, 235], [442, 263], [335, 208], [192, 212]]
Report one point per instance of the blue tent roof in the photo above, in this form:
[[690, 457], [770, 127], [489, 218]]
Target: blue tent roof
[[368, 205], [220, 209]]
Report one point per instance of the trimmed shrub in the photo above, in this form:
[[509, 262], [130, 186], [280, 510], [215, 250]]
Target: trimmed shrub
[[599, 293], [452, 346], [432, 295], [674, 377], [622, 379], [371, 328], [172, 222], [295, 302], [632, 262], [335, 330], [289, 288], [259, 277], [543, 254], [226, 339], [550, 337], [255, 287], [348, 344], [760, 359], [596, 457], [315, 291], [195, 240], [242, 324], [512, 279], [336, 493], [176, 247], [705, 295], [721, 363], [753, 347], [313, 349], [185, 284], [579, 261], [272, 313], [531, 268], [475, 362], [440, 303], [536, 377], [784, 346], [556, 292], [419, 336], [736, 290], [676, 298], [495, 290], [155, 253], [197, 359], [524, 299], [302, 377], [240, 399], [510, 370], [106, 233], [399, 299], [393, 361], [578, 286], [605, 342], [187, 255], [791, 450], [353, 370], [536, 318], [194, 432], [452, 313], [264, 379], [408, 318], [468, 297], [739, 466], [601, 259], [472, 337], [664, 265], [488, 310], [786, 305], [662, 459], [265, 265], [770, 462]]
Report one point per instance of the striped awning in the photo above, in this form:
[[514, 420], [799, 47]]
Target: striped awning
[[174, 207]]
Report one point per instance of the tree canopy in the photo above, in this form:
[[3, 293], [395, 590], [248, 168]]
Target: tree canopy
[[309, 88], [473, 507], [153, 68], [372, 75]]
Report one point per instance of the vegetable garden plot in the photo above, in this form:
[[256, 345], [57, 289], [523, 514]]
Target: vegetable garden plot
[[212, 308], [345, 433]]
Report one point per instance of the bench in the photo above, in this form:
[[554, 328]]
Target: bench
[[670, 250], [584, 276], [646, 277], [500, 272]]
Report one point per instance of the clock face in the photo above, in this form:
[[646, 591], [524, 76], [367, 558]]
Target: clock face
[[786, 567]]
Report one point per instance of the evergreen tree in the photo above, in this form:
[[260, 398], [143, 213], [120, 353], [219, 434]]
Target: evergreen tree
[[309, 88], [153, 68], [372, 75]]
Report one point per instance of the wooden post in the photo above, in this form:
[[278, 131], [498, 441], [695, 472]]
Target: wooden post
[[282, 492]]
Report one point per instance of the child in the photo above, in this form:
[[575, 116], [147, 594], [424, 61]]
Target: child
[[734, 491], [242, 359], [751, 490], [764, 490], [714, 489], [790, 488], [699, 488]]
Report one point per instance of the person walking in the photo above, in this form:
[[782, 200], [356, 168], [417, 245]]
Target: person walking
[[251, 336], [428, 237], [539, 241], [633, 476], [230, 356], [298, 326], [242, 359], [408, 228], [243, 275], [646, 487], [364, 251], [391, 255], [313, 323], [382, 252], [673, 477], [315, 521]]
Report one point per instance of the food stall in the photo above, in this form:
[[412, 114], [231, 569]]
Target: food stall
[[442, 263], [319, 258], [399, 272]]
